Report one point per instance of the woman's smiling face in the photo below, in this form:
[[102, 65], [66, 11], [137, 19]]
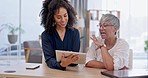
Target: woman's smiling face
[[61, 17]]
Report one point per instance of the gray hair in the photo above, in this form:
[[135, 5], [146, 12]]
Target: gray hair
[[112, 19]]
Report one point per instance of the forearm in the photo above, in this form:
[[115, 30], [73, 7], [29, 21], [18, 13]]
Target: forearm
[[95, 64], [107, 59], [52, 63]]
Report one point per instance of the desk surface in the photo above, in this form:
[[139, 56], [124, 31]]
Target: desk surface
[[44, 72]]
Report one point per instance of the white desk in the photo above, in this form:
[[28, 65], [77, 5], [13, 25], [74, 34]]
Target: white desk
[[44, 72]]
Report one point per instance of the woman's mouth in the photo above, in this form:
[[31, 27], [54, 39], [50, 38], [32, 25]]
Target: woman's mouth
[[102, 33]]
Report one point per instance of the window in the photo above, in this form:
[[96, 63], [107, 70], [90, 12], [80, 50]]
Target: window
[[23, 13]]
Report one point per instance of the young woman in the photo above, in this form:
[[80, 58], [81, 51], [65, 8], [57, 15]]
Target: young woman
[[58, 17]]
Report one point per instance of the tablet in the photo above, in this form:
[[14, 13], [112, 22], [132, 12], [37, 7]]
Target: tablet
[[134, 73], [67, 53]]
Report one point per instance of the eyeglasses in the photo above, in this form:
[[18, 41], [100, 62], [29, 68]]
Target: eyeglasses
[[103, 26]]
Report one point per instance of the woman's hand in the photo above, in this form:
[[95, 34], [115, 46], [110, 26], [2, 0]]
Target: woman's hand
[[67, 60], [98, 43]]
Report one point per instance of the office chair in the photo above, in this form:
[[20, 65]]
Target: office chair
[[33, 52], [130, 59]]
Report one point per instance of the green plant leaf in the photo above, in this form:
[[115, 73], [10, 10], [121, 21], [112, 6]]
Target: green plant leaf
[[146, 45], [81, 37], [12, 28]]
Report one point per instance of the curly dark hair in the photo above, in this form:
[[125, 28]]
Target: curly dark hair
[[49, 9]]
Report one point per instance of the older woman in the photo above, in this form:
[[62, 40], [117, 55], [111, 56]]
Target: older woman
[[108, 51]]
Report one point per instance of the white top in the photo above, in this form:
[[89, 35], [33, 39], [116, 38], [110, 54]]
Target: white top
[[119, 52]]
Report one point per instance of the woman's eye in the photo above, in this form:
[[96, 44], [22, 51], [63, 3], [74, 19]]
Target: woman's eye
[[65, 15], [105, 25], [58, 18]]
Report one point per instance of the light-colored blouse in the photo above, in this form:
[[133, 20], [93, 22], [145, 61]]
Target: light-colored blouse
[[119, 52]]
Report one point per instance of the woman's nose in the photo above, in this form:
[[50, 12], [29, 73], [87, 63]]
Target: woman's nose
[[63, 19]]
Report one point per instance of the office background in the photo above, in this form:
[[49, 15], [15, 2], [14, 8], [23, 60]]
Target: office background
[[25, 14]]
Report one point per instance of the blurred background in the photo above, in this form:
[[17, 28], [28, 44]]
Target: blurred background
[[23, 17]]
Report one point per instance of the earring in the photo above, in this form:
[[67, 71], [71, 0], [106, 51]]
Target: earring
[[54, 24]]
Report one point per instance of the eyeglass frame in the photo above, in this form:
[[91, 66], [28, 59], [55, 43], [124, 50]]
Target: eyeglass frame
[[104, 26]]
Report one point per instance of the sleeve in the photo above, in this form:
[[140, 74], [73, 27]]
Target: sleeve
[[91, 54], [49, 53], [121, 55], [76, 41]]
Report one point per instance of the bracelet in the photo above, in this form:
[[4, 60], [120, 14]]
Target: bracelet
[[103, 45], [99, 47]]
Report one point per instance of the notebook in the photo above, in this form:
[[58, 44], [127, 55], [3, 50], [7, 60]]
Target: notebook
[[67, 53], [134, 73]]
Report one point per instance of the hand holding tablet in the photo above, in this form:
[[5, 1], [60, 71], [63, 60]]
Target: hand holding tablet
[[81, 60]]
